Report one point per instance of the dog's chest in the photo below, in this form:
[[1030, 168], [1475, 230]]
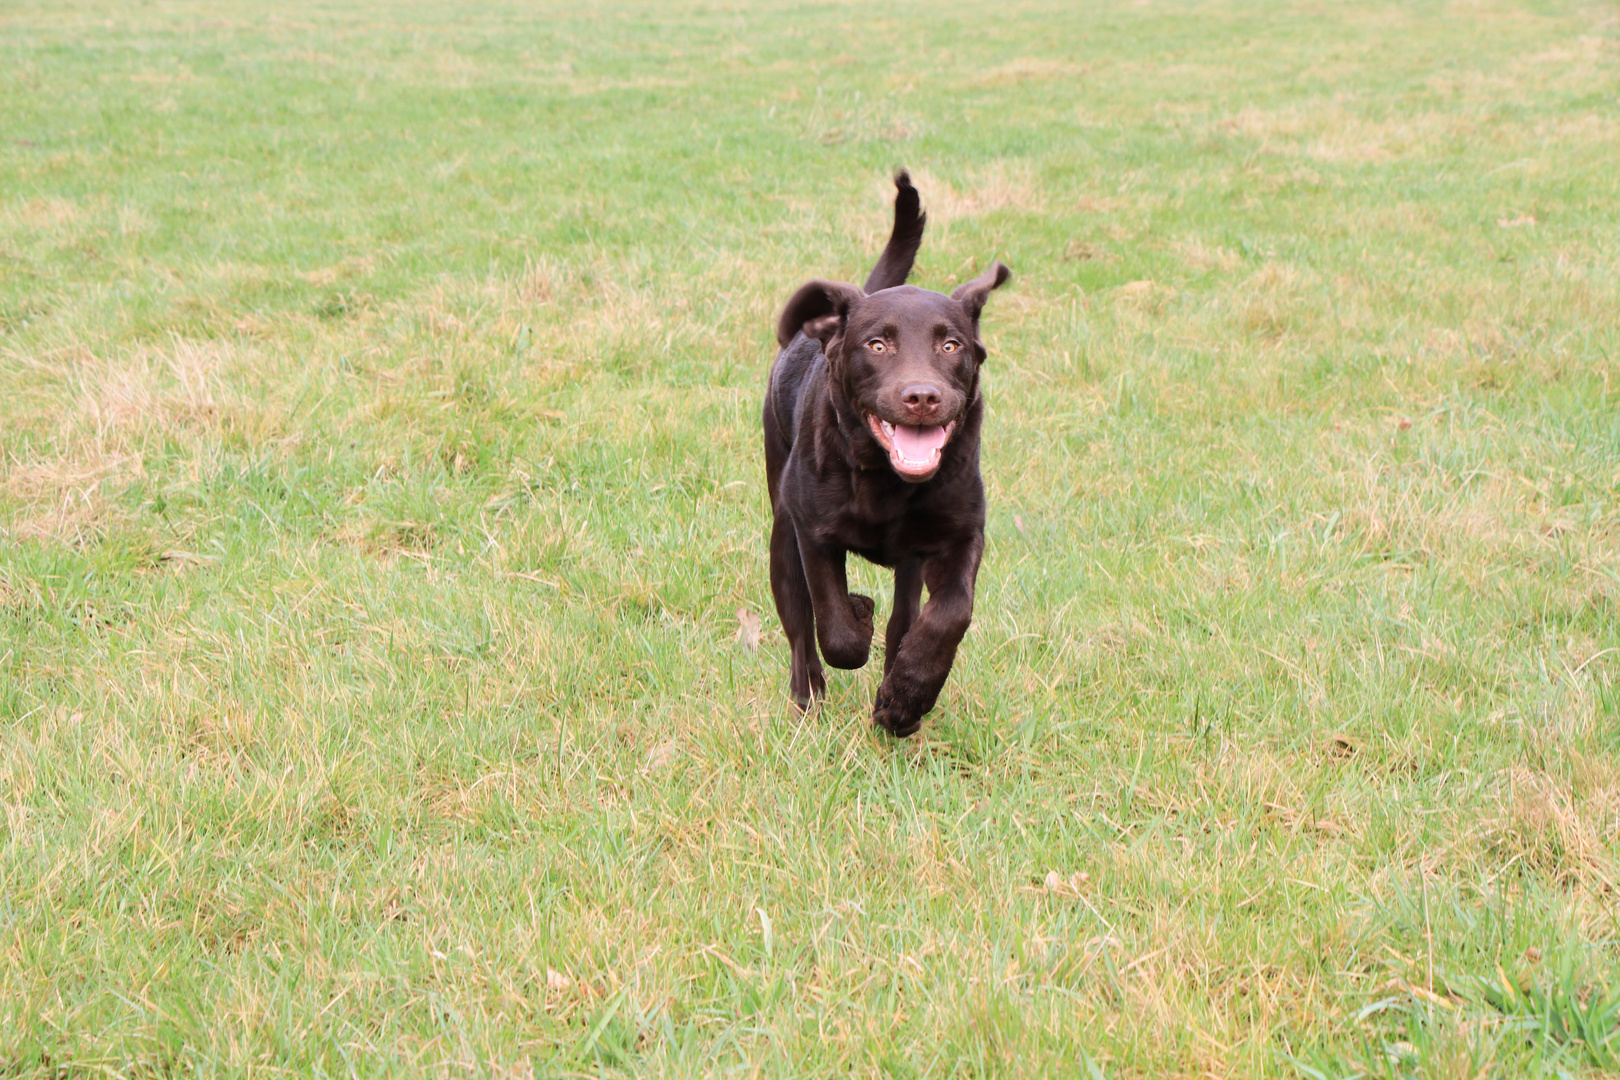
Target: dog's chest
[[887, 530]]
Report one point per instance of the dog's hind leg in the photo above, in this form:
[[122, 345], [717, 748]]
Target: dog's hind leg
[[793, 607], [908, 584]]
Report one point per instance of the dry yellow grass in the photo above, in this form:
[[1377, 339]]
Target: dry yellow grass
[[388, 677]]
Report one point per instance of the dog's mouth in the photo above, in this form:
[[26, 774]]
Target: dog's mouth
[[914, 452]]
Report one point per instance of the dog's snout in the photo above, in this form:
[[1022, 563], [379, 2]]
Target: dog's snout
[[921, 399]]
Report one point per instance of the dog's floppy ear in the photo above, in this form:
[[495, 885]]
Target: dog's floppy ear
[[819, 309], [973, 294]]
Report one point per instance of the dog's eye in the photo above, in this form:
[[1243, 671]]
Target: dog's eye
[[951, 346], [876, 345]]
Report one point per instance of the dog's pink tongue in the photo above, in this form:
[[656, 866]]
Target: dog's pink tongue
[[918, 443]]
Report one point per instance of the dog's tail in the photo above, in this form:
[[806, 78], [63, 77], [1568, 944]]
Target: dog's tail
[[894, 266]]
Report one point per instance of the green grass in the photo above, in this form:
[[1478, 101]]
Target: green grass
[[380, 483]]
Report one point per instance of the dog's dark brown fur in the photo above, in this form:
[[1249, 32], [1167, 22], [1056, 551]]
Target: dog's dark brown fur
[[872, 445]]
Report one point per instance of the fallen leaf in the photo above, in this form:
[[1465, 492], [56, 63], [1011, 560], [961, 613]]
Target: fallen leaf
[[660, 755], [556, 981], [1340, 745], [522, 1069], [1072, 885], [747, 629], [1516, 223]]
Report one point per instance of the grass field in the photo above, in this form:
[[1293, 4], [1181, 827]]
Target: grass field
[[380, 486]]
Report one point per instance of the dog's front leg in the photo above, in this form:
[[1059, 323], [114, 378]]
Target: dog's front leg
[[843, 618], [912, 682]]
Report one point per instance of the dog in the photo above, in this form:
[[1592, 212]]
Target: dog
[[872, 421]]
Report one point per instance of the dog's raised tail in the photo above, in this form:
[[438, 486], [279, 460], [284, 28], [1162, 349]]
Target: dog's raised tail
[[894, 266]]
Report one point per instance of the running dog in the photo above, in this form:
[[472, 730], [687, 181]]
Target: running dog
[[872, 423]]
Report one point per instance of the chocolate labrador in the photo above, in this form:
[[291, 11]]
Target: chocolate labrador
[[872, 425]]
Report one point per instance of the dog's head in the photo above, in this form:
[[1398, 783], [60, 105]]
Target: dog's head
[[906, 359]]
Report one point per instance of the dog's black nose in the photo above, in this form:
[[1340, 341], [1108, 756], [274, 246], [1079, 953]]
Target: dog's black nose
[[920, 399]]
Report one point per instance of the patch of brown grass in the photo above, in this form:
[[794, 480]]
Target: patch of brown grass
[[1542, 822], [1029, 69], [177, 387], [51, 213], [1202, 256], [108, 410], [1001, 185]]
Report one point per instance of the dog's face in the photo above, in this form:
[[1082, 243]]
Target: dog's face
[[906, 359]]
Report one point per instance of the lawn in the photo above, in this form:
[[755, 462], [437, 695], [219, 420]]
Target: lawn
[[382, 514]]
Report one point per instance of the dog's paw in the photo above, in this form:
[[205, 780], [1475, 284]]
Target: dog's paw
[[807, 689], [893, 717], [848, 646]]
